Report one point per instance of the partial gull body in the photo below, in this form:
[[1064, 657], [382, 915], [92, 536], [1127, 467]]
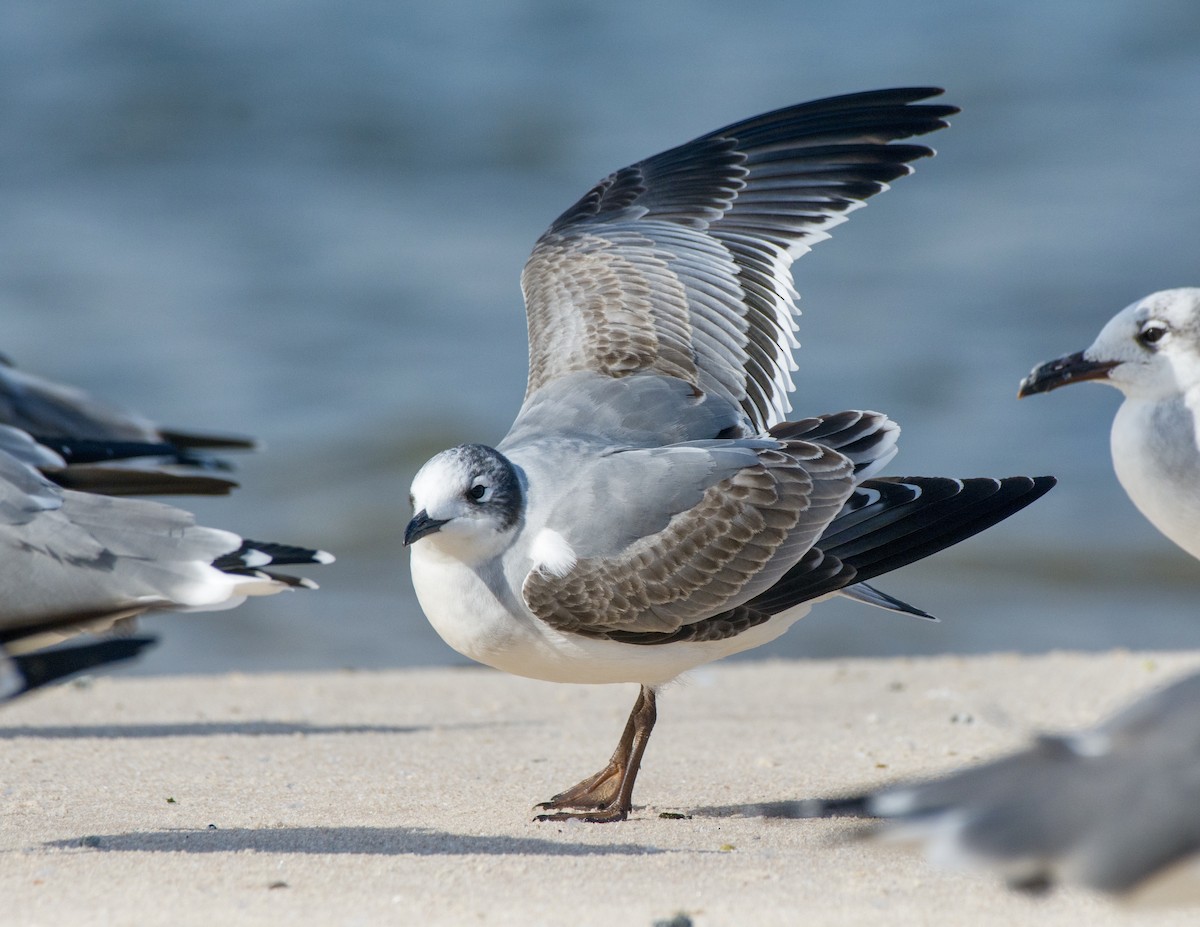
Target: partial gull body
[[87, 444], [23, 672], [76, 561], [1150, 351], [651, 510], [1116, 808]]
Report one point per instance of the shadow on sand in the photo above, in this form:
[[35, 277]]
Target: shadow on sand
[[374, 841]]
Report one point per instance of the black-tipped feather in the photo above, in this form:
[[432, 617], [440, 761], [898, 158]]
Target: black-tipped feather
[[887, 524], [132, 481], [982, 503], [890, 516], [713, 226], [77, 451], [90, 450], [869, 595], [857, 435], [193, 441], [894, 534], [250, 556], [46, 666]]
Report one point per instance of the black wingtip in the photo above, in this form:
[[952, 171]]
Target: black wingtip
[[869, 595], [891, 522], [187, 451], [136, 481], [196, 441], [45, 666], [254, 555], [936, 111], [981, 503], [884, 96]]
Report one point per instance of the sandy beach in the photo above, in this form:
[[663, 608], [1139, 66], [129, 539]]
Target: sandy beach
[[404, 797]]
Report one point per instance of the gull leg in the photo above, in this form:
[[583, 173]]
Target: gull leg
[[608, 795]]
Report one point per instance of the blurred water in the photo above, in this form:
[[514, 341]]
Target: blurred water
[[305, 220]]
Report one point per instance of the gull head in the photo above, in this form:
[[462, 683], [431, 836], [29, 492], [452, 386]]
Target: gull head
[[467, 501], [1149, 350]]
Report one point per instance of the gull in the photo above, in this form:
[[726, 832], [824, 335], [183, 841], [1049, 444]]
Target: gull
[[1150, 351], [1113, 808], [651, 508], [75, 561], [83, 436]]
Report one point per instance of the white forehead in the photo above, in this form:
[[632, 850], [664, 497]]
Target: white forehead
[[1179, 308], [442, 476], [1179, 305]]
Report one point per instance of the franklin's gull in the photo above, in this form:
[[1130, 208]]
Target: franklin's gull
[[650, 510]]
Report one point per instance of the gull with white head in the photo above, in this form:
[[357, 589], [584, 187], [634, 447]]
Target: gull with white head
[[651, 509], [1113, 807], [1150, 351]]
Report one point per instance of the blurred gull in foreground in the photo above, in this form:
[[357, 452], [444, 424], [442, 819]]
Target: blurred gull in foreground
[[1116, 808], [650, 509]]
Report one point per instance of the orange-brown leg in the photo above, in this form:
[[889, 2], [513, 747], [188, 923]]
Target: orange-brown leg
[[608, 795]]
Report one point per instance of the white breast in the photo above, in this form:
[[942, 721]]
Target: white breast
[[1157, 460], [458, 603]]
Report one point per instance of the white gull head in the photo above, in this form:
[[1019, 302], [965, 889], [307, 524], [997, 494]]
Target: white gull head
[[1149, 350], [467, 501]]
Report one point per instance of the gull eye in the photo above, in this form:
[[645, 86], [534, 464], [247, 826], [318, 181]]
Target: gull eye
[[1151, 334], [479, 493]]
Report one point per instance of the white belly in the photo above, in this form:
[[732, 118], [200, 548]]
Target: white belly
[[1158, 463], [462, 609], [469, 616]]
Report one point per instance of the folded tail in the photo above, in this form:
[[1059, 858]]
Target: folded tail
[[894, 521]]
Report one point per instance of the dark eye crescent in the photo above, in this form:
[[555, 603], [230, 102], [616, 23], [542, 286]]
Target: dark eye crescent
[[1151, 334], [477, 491]]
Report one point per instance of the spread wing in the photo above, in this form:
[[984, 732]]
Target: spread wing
[[745, 531], [681, 264]]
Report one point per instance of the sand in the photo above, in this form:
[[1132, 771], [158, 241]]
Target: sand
[[404, 797]]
